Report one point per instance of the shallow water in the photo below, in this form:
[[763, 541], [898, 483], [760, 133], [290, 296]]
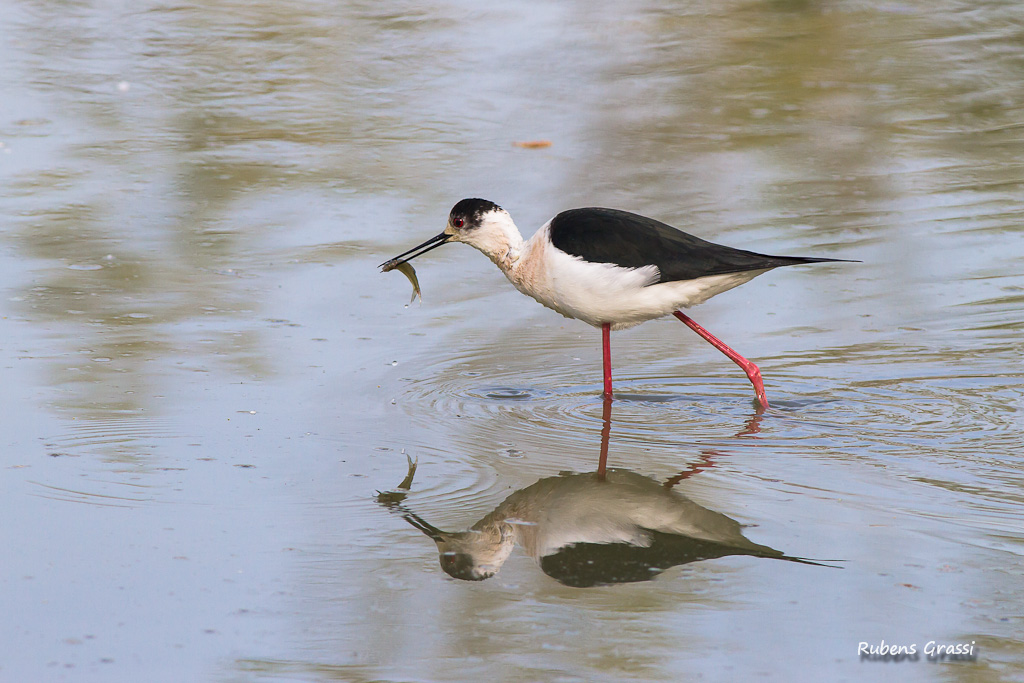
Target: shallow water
[[209, 382]]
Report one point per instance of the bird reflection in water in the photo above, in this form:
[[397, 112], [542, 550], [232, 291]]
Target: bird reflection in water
[[597, 528]]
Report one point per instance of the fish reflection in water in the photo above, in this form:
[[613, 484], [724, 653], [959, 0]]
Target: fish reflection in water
[[585, 530]]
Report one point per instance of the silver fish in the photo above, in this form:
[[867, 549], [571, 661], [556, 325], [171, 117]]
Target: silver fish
[[407, 270]]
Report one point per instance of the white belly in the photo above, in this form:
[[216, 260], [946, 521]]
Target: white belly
[[599, 293]]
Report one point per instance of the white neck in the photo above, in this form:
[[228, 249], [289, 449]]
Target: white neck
[[498, 238]]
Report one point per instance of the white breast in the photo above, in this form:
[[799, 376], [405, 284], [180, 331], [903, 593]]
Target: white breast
[[597, 293]]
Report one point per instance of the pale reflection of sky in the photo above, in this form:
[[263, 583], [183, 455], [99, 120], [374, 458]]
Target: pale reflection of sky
[[207, 380]]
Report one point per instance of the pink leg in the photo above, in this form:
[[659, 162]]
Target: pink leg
[[753, 372], [606, 430], [606, 341]]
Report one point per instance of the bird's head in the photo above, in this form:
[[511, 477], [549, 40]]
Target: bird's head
[[472, 555], [477, 222]]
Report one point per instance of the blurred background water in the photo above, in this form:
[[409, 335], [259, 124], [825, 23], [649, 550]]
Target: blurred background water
[[207, 381]]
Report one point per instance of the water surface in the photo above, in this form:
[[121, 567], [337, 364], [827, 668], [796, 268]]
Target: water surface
[[208, 382]]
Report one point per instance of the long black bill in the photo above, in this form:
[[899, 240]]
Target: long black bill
[[428, 529], [432, 243]]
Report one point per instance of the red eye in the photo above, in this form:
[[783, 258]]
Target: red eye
[[458, 222]]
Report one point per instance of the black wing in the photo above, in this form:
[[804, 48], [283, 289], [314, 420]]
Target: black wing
[[633, 241], [596, 564]]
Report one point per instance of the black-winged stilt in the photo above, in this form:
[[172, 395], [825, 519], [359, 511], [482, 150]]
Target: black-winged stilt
[[584, 530], [604, 527], [611, 269]]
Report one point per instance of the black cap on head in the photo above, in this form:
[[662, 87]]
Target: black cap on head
[[470, 211], [462, 566]]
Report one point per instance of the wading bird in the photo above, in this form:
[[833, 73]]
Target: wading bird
[[611, 269]]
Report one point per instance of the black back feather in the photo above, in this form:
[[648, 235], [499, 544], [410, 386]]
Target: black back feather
[[633, 241]]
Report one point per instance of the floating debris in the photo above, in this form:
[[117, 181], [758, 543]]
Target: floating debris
[[533, 144]]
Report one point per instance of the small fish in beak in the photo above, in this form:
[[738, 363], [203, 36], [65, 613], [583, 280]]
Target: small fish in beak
[[407, 270], [402, 264]]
